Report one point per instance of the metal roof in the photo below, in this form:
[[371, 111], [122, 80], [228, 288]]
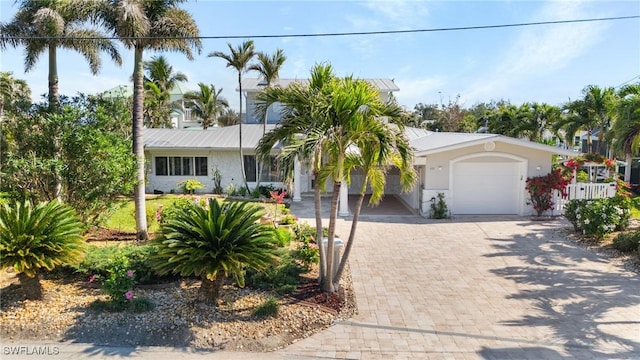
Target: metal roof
[[219, 138], [257, 84], [226, 138], [434, 142]]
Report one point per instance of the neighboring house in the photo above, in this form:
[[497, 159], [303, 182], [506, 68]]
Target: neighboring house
[[252, 86], [181, 117], [477, 173]]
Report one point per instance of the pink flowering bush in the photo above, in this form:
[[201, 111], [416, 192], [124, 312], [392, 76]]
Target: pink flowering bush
[[541, 190]]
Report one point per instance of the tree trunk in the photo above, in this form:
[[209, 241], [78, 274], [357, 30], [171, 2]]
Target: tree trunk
[[328, 283], [319, 237], [627, 168], [244, 174], [352, 236], [54, 105], [31, 286], [209, 291], [138, 147]]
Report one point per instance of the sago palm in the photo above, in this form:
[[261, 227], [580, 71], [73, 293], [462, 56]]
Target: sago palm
[[33, 238], [215, 242]]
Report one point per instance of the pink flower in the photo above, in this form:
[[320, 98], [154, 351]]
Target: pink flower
[[129, 273], [92, 278], [159, 213], [128, 295]]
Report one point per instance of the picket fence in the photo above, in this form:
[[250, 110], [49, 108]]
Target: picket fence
[[581, 191]]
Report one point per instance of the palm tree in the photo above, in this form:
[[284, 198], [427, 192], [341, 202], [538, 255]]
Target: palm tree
[[269, 67], [229, 117], [157, 112], [159, 80], [48, 25], [600, 107], [573, 119], [239, 58], [215, 242], [159, 72], [143, 25], [323, 125], [36, 238], [207, 104], [626, 129], [301, 134], [534, 119]]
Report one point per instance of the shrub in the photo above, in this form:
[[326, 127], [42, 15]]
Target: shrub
[[99, 260], [288, 220], [283, 237], [627, 242], [214, 242], [255, 193], [190, 186], [118, 284], [439, 208], [231, 190], [268, 308], [216, 176], [282, 276], [38, 237], [541, 189], [599, 217]]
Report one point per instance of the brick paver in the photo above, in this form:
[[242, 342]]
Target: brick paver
[[480, 288]]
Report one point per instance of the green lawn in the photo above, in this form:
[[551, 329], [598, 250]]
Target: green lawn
[[122, 217], [635, 207]]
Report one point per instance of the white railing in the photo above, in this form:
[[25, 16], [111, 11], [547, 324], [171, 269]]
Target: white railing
[[582, 191]]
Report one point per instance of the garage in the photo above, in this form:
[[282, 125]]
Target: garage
[[486, 187]]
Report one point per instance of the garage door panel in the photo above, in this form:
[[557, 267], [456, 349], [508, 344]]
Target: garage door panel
[[486, 188]]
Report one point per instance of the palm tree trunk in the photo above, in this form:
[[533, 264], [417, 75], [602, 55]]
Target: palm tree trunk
[[627, 168], [138, 147], [352, 236], [244, 174], [31, 286], [53, 107], [210, 290], [328, 283], [319, 237]]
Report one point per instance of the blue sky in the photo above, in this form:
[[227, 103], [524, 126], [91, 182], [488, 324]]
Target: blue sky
[[550, 63]]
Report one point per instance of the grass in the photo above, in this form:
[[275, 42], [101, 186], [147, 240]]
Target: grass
[[122, 218], [635, 207], [268, 308]]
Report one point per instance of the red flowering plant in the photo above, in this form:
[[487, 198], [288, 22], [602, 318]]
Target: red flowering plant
[[277, 197], [541, 189]]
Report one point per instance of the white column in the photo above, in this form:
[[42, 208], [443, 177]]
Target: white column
[[343, 209], [296, 180]]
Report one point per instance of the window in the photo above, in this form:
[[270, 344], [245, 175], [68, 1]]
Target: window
[[181, 166], [268, 173], [250, 168]]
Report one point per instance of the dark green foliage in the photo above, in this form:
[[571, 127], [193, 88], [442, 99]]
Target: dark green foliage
[[439, 208], [179, 205], [599, 217], [268, 308], [265, 190], [282, 277], [220, 240], [39, 237], [627, 242], [98, 261]]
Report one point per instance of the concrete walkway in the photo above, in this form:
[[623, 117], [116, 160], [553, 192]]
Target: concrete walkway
[[467, 288]]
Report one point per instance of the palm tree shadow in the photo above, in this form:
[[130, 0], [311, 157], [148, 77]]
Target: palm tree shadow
[[586, 301]]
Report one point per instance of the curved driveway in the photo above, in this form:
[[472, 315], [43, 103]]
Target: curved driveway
[[480, 288]]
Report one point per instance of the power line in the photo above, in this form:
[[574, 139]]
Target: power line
[[461, 28], [628, 81]]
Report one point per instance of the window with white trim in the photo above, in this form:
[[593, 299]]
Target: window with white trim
[[181, 166]]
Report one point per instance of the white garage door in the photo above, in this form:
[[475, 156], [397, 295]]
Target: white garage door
[[486, 188]]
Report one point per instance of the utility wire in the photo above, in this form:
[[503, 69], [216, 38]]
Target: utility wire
[[628, 81], [480, 27]]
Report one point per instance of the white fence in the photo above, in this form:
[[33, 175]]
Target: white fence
[[582, 191]]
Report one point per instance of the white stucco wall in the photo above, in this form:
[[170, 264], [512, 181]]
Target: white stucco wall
[[438, 168]]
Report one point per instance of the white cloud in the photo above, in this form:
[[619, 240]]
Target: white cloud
[[540, 50], [417, 90]]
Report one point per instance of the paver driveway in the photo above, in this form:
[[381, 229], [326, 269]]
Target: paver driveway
[[480, 288]]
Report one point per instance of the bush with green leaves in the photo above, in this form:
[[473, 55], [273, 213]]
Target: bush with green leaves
[[627, 242], [98, 260], [190, 186], [283, 237], [282, 276], [118, 284], [36, 238], [439, 209], [215, 242], [599, 217], [216, 176]]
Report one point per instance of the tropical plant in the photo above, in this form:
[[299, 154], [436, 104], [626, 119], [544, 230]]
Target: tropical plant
[[190, 186], [207, 104], [15, 94], [42, 26], [215, 242], [228, 117], [35, 238], [159, 80], [148, 25], [326, 119], [541, 189], [438, 208], [238, 59], [626, 128]]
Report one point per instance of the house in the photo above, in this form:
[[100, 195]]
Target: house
[[477, 173], [252, 86]]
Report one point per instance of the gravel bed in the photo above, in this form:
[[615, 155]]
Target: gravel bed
[[177, 319]]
